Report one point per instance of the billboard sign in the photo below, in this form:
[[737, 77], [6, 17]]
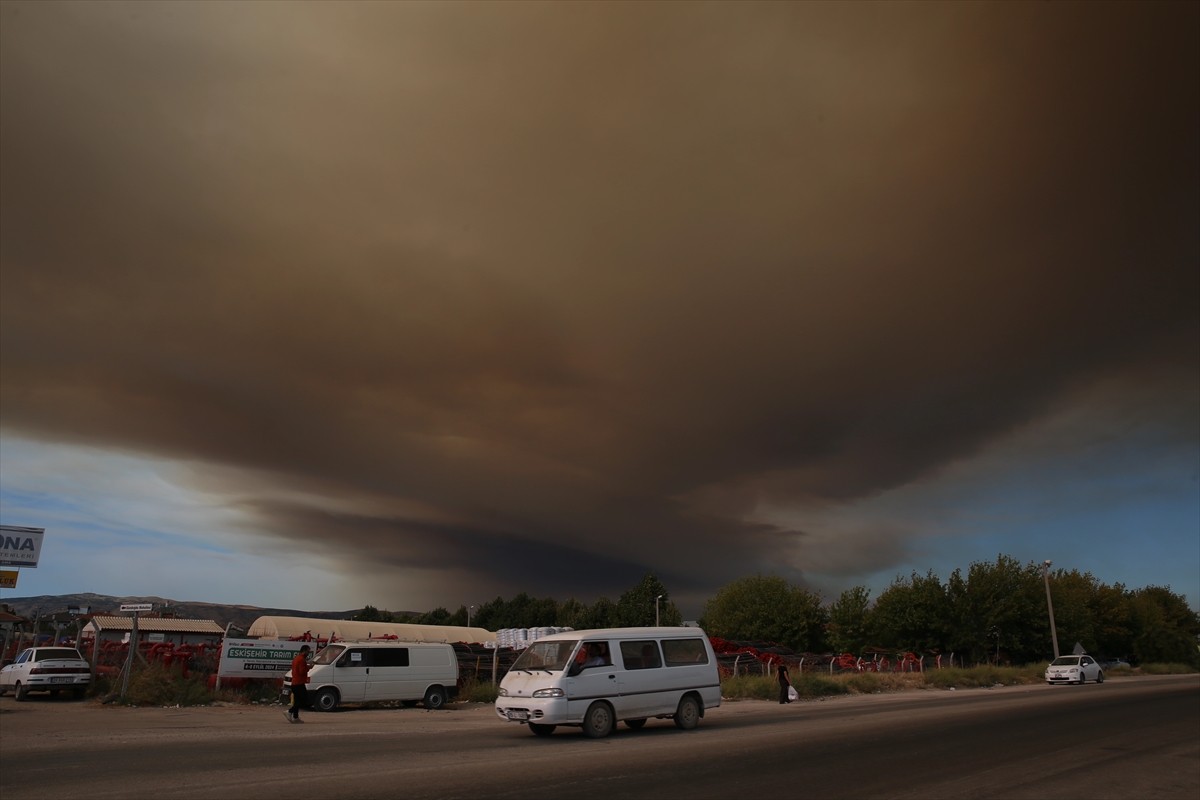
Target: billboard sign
[[8, 578], [257, 658], [20, 547]]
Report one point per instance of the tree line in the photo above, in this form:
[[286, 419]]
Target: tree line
[[994, 612]]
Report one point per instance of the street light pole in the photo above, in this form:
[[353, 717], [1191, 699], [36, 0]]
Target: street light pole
[[656, 609], [1050, 605], [469, 610]]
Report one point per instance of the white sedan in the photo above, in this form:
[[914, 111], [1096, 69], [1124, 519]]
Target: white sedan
[[1074, 669], [46, 669]]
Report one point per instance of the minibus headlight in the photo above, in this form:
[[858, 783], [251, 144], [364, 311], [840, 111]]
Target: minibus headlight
[[503, 692], [549, 693]]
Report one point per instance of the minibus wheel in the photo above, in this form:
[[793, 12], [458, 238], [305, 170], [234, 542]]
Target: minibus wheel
[[687, 716], [327, 700], [598, 721], [541, 730], [435, 698]]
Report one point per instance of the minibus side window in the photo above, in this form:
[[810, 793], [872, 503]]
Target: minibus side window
[[353, 658], [640, 654], [684, 652], [388, 656], [590, 654]]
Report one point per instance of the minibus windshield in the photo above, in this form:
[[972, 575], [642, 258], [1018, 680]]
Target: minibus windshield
[[329, 654], [545, 656]]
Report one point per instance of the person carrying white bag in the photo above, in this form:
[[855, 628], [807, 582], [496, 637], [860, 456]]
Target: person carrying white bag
[[787, 692]]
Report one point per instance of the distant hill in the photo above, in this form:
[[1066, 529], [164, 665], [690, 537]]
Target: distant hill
[[241, 616]]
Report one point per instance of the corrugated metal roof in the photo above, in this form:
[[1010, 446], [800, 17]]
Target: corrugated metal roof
[[157, 625]]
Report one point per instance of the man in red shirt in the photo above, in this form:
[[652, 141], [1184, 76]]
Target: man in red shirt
[[299, 690]]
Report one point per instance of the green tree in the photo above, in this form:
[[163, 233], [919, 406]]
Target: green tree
[[368, 614], [572, 614], [459, 617], [636, 607], [998, 611], [1112, 613], [1165, 628], [491, 614], [848, 620], [1074, 610], [912, 615], [373, 614], [767, 609], [438, 616], [522, 611], [602, 614]]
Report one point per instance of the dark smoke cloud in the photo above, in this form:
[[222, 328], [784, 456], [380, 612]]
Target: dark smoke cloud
[[571, 290]]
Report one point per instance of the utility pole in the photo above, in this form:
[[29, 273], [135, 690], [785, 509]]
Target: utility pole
[[1050, 605]]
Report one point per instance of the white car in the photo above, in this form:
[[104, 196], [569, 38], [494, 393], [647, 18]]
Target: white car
[[1074, 669], [46, 669]]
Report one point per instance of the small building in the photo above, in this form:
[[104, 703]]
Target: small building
[[9, 621], [154, 629]]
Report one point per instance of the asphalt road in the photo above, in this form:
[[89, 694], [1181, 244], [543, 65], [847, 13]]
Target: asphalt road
[[1128, 738]]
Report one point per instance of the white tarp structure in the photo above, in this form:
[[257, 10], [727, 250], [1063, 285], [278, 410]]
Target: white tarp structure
[[349, 630]]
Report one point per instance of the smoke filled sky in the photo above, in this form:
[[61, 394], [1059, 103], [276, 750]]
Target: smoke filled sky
[[318, 305]]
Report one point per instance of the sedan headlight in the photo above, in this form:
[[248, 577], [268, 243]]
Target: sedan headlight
[[549, 693]]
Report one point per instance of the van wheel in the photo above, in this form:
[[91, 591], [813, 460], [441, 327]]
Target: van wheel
[[327, 700], [635, 724], [435, 698], [598, 721], [20, 692], [541, 730], [687, 716]]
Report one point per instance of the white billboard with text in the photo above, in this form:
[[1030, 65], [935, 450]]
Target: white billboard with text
[[257, 658], [20, 547]]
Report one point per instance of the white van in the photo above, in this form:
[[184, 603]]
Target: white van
[[592, 679], [375, 671]]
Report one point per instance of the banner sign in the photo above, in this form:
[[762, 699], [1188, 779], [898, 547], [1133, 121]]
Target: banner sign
[[20, 547], [257, 658], [8, 578]]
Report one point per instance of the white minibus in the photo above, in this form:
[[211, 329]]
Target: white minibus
[[593, 679], [376, 671]]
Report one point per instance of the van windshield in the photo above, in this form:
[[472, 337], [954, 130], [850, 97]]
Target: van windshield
[[549, 656], [329, 654]]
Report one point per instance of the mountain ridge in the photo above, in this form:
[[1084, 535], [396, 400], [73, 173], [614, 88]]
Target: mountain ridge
[[224, 614]]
